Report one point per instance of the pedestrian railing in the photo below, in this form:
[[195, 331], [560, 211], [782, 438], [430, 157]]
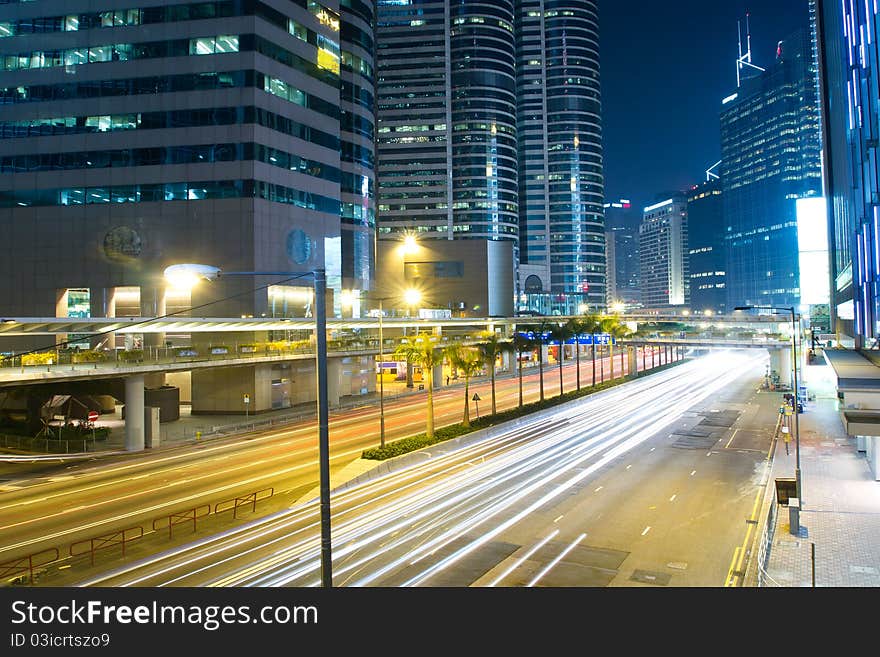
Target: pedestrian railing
[[247, 500], [28, 563], [182, 517], [121, 537]]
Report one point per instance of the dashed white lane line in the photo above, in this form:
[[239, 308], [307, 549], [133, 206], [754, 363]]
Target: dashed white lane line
[[647, 529]]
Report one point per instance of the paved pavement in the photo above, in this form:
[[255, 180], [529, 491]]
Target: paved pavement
[[840, 514]]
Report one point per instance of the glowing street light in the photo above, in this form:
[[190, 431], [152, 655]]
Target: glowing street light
[[189, 274]]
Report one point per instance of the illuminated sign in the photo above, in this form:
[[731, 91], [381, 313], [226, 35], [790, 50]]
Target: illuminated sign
[[812, 230]]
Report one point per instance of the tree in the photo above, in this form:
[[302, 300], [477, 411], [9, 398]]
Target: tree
[[577, 327], [469, 361], [559, 333], [490, 348], [541, 329], [591, 326], [421, 349], [520, 343], [614, 328]]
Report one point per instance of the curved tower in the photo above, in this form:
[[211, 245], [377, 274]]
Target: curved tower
[[484, 158], [560, 156]]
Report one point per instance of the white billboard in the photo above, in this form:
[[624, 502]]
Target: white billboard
[[812, 229]]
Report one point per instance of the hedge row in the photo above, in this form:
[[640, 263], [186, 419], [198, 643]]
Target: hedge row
[[421, 440]]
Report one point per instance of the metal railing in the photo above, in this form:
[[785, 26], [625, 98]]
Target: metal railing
[[246, 500], [182, 517], [107, 541], [27, 564]]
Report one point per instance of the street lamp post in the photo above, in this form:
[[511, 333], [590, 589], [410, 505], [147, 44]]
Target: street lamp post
[[191, 273], [797, 434]]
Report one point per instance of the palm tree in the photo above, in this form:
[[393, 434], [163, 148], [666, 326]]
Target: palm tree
[[421, 349], [560, 333], [615, 329], [469, 361], [490, 348], [577, 327], [520, 343], [591, 326], [543, 327]]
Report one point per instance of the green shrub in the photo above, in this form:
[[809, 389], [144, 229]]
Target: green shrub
[[131, 355], [88, 356], [420, 441]]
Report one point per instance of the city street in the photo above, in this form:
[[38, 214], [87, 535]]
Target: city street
[[606, 491]]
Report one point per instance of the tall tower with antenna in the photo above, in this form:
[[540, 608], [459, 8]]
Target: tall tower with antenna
[[745, 58]]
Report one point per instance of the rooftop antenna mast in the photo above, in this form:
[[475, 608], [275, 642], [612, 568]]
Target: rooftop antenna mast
[[710, 172], [744, 59]]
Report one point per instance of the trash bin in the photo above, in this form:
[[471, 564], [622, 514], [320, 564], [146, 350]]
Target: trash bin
[[794, 516], [786, 488]]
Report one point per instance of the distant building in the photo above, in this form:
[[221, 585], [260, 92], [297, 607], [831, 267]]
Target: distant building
[[622, 253], [706, 248], [770, 149], [663, 262]]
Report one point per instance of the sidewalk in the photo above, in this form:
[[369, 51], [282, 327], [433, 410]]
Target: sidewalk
[[840, 512]]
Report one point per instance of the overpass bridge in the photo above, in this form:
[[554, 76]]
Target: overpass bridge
[[229, 373]]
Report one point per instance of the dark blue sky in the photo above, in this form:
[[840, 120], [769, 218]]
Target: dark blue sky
[[666, 66]]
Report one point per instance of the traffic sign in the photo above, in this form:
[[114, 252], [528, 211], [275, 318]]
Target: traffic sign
[[247, 399], [475, 398], [93, 416]]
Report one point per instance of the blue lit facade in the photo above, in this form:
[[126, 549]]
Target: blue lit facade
[[770, 148], [850, 76]]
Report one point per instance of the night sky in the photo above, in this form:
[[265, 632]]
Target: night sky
[[666, 66]]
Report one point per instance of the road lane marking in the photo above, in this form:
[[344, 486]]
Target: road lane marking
[[693, 473], [731, 438], [672, 499], [556, 560], [735, 571], [598, 489], [558, 519], [516, 564], [647, 529]]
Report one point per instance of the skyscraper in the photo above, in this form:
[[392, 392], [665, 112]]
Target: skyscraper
[[770, 149], [561, 181], [489, 122], [622, 222], [706, 247], [850, 76], [228, 133], [663, 261]]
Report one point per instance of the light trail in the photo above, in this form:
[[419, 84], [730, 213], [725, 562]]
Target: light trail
[[426, 518]]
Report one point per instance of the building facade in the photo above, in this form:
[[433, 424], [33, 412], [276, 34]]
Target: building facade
[[707, 259], [850, 77], [770, 149], [663, 247], [231, 133], [489, 129], [622, 254]]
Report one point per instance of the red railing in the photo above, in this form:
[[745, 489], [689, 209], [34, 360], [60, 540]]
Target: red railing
[[246, 500], [107, 541], [181, 517], [27, 564]]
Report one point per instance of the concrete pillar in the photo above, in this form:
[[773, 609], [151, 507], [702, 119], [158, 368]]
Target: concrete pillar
[[872, 455], [780, 362], [153, 305], [102, 302], [438, 375], [334, 371], [505, 361], [151, 427], [632, 360], [134, 413]]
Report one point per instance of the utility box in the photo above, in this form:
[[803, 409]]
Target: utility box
[[151, 427], [786, 489], [794, 516]]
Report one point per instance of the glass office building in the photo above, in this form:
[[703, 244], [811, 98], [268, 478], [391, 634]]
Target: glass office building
[[233, 133], [706, 248], [770, 148], [489, 128], [663, 248], [850, 77]]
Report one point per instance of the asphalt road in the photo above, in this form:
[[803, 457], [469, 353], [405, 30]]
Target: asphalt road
[[649, 484], [75, 502]]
